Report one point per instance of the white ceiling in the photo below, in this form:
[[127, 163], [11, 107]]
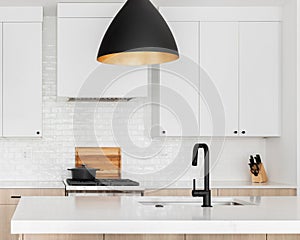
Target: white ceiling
[[50, 5]]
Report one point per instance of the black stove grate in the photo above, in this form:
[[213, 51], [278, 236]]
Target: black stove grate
[[103, 182]]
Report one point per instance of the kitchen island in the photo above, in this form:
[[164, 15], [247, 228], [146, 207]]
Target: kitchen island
[[155, 215]]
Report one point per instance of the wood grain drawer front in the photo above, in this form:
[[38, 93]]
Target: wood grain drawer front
[[6, 213], [226, 237], [283, 237], [64, 237], [258, 192], [12, 196], [174, 192], [144, 237]]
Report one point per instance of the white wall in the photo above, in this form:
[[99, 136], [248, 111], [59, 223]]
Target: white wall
[[282, 152], [49, 157]]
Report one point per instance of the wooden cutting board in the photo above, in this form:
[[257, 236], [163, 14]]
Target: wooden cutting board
[[108, 159]]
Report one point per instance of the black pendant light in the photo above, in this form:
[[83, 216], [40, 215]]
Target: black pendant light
[[138, 35]]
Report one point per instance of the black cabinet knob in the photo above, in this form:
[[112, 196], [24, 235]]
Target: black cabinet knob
[[243, 132], [163, 132], [235, 132], [38, 133]]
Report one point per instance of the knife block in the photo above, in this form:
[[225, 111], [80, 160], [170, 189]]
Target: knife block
[[262, 175]]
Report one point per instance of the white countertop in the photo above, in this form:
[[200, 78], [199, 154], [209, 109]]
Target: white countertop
[[31, 184], [109, 215], [150, 185], [214, 184]]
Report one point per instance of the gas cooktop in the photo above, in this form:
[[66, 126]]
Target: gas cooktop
[[103, 182]]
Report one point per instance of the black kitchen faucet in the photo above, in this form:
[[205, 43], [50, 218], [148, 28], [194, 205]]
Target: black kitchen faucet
[[205, 193]]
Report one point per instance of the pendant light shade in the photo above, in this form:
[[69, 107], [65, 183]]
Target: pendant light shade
[[138, 35]]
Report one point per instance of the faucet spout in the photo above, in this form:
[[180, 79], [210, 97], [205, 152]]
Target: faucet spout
[[206, 193]]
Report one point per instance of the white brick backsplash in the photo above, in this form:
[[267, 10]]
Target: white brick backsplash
[[47, 159]]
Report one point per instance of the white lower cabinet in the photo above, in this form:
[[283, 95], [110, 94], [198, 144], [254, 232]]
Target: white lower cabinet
[[22, 79]]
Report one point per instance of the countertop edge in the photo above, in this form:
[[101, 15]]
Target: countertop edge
[[156, 227]]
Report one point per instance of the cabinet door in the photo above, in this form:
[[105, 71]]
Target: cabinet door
[[1, 82], [257, 192], [227, 237], [144, 237], [283, 237], [219, 63], [260, 78], [175, 192], [79, 72], [22, 79], [63, 237], [179, 96], [6, 213]]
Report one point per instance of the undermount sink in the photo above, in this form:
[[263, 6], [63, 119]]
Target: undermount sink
[[161, 202]]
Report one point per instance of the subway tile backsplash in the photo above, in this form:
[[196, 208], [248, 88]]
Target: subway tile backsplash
[[47, 158]]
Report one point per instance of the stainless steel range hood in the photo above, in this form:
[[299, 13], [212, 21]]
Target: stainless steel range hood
[[99, 99]]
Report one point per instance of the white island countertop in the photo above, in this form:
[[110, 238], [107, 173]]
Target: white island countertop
[[134, 215]]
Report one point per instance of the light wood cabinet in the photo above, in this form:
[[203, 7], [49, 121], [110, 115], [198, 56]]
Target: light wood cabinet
[[226, 237], [226, 192], [174, 192], [283, 237], [145, 237], [9, 199], [257, 192], [64, 237], [160, 237], [12, 196], [6, 213]]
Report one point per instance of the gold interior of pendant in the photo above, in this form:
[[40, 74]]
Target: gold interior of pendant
[[138, 58]]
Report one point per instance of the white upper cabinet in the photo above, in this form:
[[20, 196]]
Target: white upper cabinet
[[219, 78], [260, 54], [1, 83], [21, 71], [81, 27], [22, 79], [179, 84], [238, 51]]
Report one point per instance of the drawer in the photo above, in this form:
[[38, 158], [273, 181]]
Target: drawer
[[258, 192], [12, 196], [174, 192]]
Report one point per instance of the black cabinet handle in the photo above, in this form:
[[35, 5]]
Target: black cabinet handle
[[235, 132], [243, 132], [38, 133], [15, 196], [163, 132]]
